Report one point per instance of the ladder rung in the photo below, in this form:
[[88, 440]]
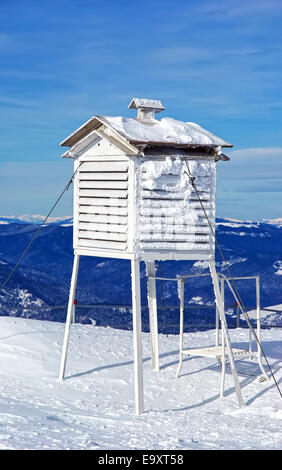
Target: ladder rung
[[214, 351]]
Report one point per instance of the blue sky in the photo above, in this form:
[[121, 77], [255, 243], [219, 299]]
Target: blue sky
[[217, 63]]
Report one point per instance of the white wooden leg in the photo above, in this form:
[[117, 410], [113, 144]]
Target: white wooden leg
[[226, 333], [73, 313], [259, 329], [69, 316], [137, 337], [181, 324], [223, 359], [153, 314]]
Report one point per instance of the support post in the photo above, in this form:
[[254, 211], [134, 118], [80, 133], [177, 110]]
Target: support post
[[74, 311], [137, 336], [181, 323], [225, 331], [223, 358], [259, 329], [69, 316], [237, 316], [153, 314]]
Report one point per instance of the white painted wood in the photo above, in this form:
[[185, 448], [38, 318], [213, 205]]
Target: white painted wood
[[181, 324], [104, 166], [102, 227], [104, 253], [75, 203], [103, 218], [69, 317], [223, 352], [132, 204], [137, 337], [107, 210], [82, 145], [153, 314], [258, 337], [102, 176], [119, 193], [118, 237], [86, 242], [102, 147], [103, 184], [225, 331], [89, 157], [120, 141], [215, 351], [103, 201]]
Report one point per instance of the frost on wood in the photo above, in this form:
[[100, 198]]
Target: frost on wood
[[169, 213]]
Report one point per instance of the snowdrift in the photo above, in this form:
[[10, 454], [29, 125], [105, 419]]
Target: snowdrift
[[94, 407]]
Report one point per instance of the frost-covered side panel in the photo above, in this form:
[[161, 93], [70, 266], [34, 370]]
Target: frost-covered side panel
[[169, 214]]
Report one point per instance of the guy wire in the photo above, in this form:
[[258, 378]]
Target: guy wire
[[192, 182], [38, 231]]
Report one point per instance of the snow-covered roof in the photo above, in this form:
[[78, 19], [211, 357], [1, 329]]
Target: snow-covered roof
[[157, 132], [164, 131]]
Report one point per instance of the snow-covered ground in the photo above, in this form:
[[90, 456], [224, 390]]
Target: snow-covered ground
[[94, 408]]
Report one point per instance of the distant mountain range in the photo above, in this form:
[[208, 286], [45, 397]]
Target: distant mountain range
[[40, 285], [34, 219]]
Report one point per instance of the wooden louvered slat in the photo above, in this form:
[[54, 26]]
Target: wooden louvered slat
[[103, 227], [170, 211], [119, 211], [119, 237], [120, 176], [104, 218], [170, 220], [159, 195], [175, 237], [110, 193], [104, 167], [96, 201], [155, 194], [103, 184], [171, 228], [146, 203], [106, 244], [174, 246], [178, 230]]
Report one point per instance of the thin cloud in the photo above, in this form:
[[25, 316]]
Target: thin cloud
[[180, 53], [241, 8]]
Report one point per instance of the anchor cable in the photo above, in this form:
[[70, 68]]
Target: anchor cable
[[192, 182], [66, 188]]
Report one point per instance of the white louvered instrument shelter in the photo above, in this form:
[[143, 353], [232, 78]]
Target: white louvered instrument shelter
[[126, 205], [133, 199]]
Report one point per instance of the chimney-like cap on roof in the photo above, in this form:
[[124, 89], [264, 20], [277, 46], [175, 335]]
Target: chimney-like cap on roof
[[145, 103]]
